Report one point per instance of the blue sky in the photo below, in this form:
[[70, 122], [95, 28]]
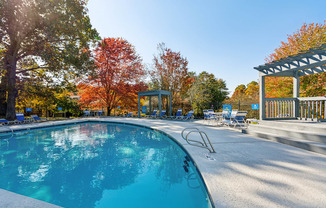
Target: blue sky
[[224, 37]]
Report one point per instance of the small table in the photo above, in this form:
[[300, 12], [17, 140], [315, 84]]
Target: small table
[[252, 120]]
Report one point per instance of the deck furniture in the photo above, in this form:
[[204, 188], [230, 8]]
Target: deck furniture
[[237, 119]]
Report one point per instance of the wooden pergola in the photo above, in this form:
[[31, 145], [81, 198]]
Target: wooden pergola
[[158, 93], [306, 63]]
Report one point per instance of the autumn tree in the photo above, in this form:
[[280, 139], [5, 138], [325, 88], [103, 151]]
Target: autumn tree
[[117, 78], [207, 90], [249, 92], [171, 73], [239, 93], [308, 36], [252, 91], [43, 95], [41, 34]]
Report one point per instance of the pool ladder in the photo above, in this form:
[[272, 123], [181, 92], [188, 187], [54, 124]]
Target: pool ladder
[[200, 144]]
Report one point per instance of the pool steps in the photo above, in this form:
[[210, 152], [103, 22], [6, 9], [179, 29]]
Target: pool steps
[[308, 136]]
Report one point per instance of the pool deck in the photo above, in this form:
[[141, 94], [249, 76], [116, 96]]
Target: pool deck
[[245, 172]]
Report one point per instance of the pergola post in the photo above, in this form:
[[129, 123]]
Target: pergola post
[[262, 107], [296, 89], [159, 103], [138, 106], [150, 105], [158, 93], [170, 104]]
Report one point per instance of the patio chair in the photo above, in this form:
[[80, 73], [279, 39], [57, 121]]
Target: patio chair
[[129, 114], [177, 115], [37, 119], [86, 113], [161, 114], [238, 120], [226, 115], [100, 113], [153, 114], [209, 115], [189, 116], [21, 118], [6, 122]]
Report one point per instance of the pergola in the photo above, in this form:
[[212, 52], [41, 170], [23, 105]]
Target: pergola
[[306, 63], [158, 93]]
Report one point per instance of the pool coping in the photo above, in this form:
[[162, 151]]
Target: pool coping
[[245, 171], [41, 125]]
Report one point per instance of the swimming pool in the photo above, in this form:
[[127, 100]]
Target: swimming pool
[[100, 165]]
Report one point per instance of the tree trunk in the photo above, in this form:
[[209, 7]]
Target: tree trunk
[[12, 91], [3, 96], [108, 111]]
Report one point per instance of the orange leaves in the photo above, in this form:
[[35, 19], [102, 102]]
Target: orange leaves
[[118, 76], [171, 72], [308, 36]]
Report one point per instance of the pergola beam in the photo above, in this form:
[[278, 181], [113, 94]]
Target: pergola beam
[[158, 93], [312, 61]]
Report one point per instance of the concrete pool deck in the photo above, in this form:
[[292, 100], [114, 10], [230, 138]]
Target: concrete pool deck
[[245, 172]]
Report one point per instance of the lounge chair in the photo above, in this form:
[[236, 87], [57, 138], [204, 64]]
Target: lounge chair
[[36, 118], [178, 115], [226, 115], [87, 113], [6, 122], [161, 114], [129, 114], [153, 114], [209, 115], [189, 116], [21, 118], [238, 120], [100, 113]]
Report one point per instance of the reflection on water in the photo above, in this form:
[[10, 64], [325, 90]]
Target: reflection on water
[[99, 165]]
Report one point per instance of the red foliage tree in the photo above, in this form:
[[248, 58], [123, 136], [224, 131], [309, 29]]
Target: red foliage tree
[[117, 77], [171, 73]]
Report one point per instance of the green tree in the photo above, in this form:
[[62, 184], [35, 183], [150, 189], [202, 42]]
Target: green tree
[[40, 93], [52, 35], [207, 90]]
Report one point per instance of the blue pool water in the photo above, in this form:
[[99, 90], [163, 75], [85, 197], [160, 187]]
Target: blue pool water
[[100, 165]]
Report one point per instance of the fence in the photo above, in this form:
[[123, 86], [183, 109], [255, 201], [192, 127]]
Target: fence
[[304, 108], [244, 106]]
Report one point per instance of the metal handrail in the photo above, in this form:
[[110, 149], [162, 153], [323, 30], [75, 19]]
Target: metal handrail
[[202, 144]]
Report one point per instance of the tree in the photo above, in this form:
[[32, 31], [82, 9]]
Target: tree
[[40, 93], [252, 91], [52, 35], [239, 93], [249, 92], [171, 73], [117, 77], [207, 90], [308, 36]]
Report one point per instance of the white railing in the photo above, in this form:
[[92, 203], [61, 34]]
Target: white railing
[[280, 108], [303, 108], [312, 108]]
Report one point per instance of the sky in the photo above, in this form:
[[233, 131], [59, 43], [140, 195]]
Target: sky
[[224, 37]]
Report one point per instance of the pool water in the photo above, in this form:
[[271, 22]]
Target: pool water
[[100, 165]]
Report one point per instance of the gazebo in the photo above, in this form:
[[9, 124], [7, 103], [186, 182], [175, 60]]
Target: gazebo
[[158, 93], [309, 108]]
